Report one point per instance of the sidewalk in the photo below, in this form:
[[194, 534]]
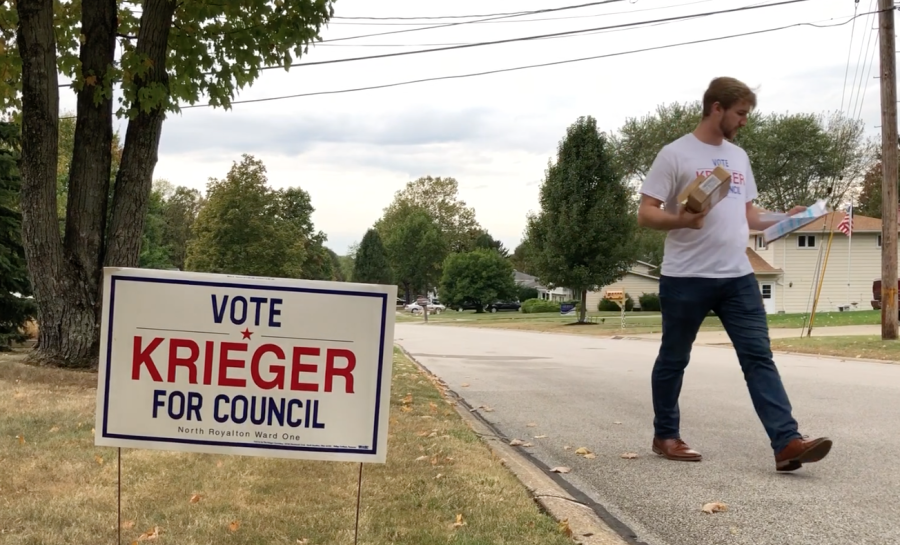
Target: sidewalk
[[720, 337]]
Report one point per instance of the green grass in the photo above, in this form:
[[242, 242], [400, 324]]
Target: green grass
[[608, 323], [850, 347]]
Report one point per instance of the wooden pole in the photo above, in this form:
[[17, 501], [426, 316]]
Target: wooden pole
[[889, 144]]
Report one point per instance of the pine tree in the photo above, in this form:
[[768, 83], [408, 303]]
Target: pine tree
[[583, 236], [15, 288], [371, 265]]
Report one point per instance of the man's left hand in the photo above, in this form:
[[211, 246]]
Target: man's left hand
[[796, 210]]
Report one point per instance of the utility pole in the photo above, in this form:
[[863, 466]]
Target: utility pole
[[889, 145]]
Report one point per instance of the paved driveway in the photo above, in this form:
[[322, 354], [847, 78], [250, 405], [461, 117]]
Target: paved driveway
[[590, 392]]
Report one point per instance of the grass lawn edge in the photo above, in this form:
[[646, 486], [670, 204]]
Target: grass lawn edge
[[590, 523]]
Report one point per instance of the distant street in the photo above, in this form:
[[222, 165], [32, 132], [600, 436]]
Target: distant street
[[593, 392]]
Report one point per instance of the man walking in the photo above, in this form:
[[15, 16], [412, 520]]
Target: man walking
[[705, 267]]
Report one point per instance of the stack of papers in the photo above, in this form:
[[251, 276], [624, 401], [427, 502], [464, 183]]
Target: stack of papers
[[790, 224]]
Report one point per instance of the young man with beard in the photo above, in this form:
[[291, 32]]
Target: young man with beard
[[705, 267]]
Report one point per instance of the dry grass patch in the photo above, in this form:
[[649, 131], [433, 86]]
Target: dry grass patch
[[849, 346], [441, 484]]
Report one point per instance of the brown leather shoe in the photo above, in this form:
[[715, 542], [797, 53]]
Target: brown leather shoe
[[802, 451], [675, 449]]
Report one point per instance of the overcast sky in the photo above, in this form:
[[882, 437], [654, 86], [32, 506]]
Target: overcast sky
[[496, 133]]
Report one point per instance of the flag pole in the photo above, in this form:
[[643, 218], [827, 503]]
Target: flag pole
[[849, 253]]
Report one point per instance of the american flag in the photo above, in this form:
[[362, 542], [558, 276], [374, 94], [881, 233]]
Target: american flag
[[846, 224]]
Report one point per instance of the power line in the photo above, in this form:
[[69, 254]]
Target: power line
[[491, 18], [332, 21], [534, 37], [687, 18], [541, 65]]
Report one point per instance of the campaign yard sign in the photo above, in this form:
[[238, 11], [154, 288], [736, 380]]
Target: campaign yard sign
[[242, 365]]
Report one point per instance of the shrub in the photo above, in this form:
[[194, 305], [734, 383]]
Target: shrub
[[607, 305], [527, 293], [649, 302], [535, 306]]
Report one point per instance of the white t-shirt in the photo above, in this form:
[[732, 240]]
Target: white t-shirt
[[718, 250]]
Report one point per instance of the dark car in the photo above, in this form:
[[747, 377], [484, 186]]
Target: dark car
[[497, 306]]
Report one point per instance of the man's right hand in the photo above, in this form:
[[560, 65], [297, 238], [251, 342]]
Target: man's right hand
[[690, 220]]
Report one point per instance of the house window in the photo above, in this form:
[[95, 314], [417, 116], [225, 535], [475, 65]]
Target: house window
[[879, 241], [806, 241], [760, 243], [766, 290]]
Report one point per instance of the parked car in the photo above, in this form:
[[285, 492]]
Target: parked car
[[876, 294], [497, 306]]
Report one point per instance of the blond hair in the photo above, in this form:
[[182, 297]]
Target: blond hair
[[727, 92]]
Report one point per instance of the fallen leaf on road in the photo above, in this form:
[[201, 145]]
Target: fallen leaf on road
[[630, 455], [564, 528], [590, 455], [714, 507], [487, 409], [617, 423], [465, 384], [560, 469], [516, 443], [195, 498], [459, 521], [581, 451], [527, 445], [540, 436], [567, 447]]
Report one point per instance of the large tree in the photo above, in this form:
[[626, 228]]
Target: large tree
[[172, 52], [581, 237], [15, 287], [477, 278], [440, 198], [248, 228], [416, 249], [371, 265]]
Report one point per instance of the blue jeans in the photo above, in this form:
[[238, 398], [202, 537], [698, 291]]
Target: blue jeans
[[737, 302]]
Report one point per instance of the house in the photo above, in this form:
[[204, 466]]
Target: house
[[788, 269], [636, 282], [529, 281]]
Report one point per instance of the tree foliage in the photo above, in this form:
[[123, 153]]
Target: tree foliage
[[479, 278], [486, 241], [246, 227], [416, 248], [581, 237], [168, 228], [15, 287], [440, 198], [371, 265], [171, 53]]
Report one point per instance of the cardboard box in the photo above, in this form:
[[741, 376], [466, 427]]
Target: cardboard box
[[706, 191]]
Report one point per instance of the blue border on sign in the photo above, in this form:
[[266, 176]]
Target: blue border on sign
[[112, 307]]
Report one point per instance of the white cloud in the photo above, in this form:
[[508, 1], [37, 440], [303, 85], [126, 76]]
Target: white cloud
[[496, 133]]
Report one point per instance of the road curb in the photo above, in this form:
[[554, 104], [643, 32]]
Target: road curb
[[589, 521]]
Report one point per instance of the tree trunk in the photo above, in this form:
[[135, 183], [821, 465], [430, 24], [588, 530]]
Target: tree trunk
[[54, 286], [582, 315], [134, 181]]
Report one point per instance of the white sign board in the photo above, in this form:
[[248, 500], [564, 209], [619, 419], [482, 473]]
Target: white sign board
[[242, 365]]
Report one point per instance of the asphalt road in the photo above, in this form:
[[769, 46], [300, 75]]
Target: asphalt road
[[595, 393]]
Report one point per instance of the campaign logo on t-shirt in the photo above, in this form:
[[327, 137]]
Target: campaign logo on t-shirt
[[737, 178]]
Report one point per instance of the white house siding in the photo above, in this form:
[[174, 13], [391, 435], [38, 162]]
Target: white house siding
[[796, 286], [633, 284]]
